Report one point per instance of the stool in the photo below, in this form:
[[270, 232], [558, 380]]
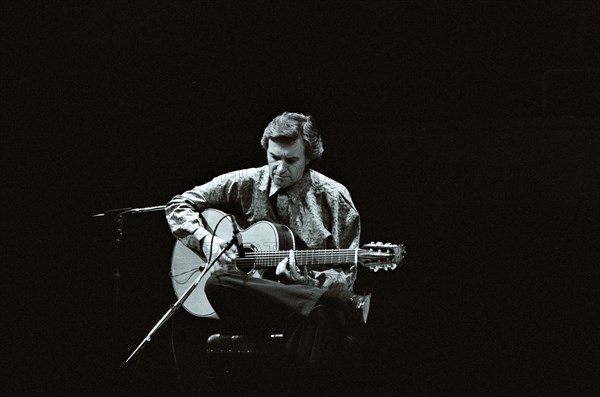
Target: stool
[[243, 344], [248, 355], [244, 355]]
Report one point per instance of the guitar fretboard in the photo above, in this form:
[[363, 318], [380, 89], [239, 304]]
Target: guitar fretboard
[[267, 259]]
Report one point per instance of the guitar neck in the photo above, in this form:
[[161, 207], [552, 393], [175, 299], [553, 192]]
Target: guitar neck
[[323, 257]]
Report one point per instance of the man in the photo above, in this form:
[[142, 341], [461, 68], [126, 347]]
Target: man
[[321, 215]]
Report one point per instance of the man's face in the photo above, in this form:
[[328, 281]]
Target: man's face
[[286, 162]]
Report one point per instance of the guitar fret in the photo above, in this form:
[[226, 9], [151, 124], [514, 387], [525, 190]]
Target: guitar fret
[[266, 259]]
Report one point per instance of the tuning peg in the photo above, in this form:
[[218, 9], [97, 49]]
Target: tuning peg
[[375, 269]]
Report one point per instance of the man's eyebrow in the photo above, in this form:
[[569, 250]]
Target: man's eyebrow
[[283, 157]]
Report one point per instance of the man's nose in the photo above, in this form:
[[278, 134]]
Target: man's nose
[[280, 166]]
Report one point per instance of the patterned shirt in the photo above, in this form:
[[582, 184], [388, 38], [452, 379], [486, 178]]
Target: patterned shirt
[[317, 209]]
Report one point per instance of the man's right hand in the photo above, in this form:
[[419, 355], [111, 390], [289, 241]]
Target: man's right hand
[[225, 261]]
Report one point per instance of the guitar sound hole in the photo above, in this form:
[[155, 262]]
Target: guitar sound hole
[[268, 273], [248, 248]]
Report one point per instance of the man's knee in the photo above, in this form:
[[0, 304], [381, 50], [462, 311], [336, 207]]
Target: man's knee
[[324, 316], [212, 285], [220, 280]]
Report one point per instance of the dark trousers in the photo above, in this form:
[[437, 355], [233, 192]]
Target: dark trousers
[[257, 306]]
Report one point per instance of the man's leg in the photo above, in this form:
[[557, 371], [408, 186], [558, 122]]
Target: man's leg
[[249, 304], [317, 339]]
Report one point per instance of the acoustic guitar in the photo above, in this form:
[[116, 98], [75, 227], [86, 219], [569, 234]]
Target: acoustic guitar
[[265, 245]]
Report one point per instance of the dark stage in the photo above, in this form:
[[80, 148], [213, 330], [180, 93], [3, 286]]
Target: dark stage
[[466, 131]]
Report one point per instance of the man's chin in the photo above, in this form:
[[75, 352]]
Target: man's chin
[[282, 182]]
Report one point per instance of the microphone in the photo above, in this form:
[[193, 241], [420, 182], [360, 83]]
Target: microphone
[[237, 237], [147, 209], [129, 210], [111, 212]]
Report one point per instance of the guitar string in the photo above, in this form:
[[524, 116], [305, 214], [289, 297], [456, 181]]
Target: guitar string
[[306, 252], [303, 254], [272, 258], [268, 260]]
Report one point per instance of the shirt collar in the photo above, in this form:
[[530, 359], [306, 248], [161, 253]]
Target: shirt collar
[[297, 190], [264, 182]]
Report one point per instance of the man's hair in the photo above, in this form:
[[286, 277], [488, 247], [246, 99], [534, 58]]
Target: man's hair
[[287, 127]]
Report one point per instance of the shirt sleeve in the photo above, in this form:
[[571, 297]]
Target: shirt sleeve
[[345, 234], [183, 211]]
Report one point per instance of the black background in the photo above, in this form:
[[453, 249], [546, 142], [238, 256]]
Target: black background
[[467, 131]]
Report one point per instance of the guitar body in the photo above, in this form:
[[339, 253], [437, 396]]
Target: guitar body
[[187, 264]]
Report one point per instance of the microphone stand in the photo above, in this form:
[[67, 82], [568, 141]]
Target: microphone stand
[[117, 215], [175, 306]]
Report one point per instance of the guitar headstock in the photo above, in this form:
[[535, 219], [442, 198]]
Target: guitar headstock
[[386, 256]]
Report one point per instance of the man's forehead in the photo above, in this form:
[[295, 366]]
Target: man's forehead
[[281, 149]]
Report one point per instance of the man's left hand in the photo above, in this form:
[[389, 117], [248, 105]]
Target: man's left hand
[[289, 273]]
